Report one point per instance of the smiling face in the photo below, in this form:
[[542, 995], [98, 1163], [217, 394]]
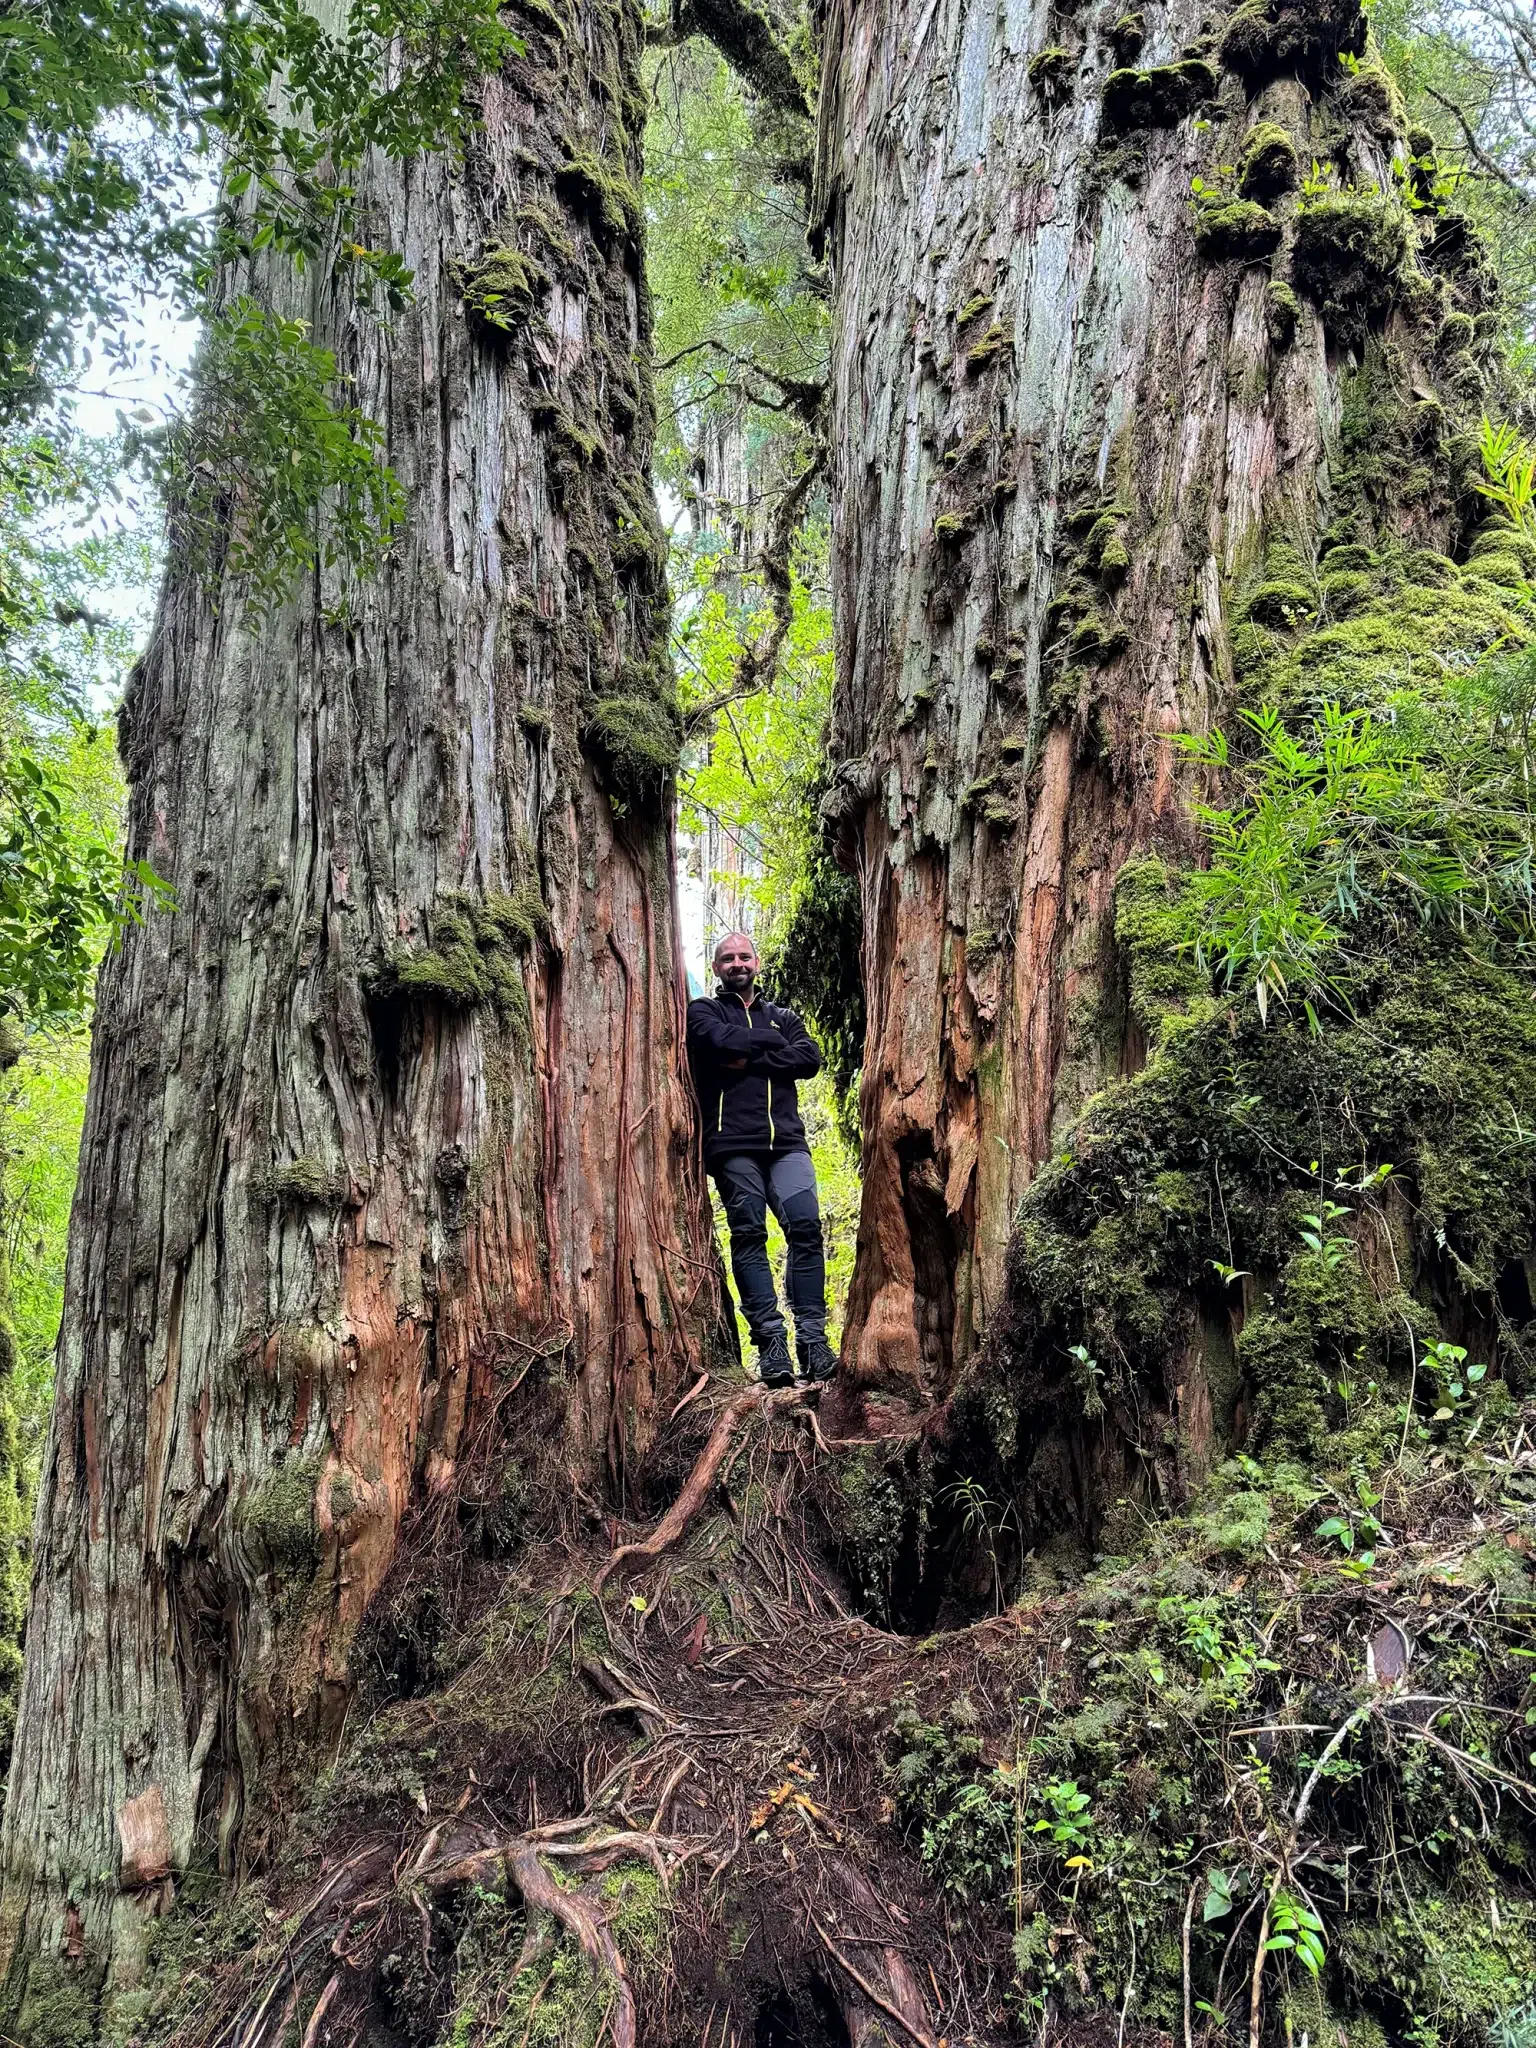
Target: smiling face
[[736, 963]]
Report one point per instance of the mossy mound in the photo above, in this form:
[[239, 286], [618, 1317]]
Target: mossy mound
[[604, 191], [1282, 309], [1159, 98], [501, 288], [1350, 252], [1241, 231], [1084, 1793], [637, 742], [1267, 39], [1126, 34], [1050, 71], [1368, 97], [472, 957], [1401, 636], [1266, 166]]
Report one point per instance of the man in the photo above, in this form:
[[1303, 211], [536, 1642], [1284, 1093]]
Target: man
[[746, 1055]]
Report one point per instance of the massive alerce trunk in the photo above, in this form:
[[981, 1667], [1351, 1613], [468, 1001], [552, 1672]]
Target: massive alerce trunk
[[1071, 407], [392, 1101]]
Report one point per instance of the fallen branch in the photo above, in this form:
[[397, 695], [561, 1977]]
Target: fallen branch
[[695, 1492]]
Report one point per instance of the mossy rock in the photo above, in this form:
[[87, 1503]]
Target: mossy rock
[[1127, 33], [1159, 98], [1266, 166], [1241, 231], [1350, 251], [1268, 39]]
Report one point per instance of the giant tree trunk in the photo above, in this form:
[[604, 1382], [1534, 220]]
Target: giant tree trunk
[[1062, 436], [392, 1102]]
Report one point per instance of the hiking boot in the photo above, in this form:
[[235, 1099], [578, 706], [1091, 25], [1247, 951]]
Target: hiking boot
[[818, 1361], [775, 1367]]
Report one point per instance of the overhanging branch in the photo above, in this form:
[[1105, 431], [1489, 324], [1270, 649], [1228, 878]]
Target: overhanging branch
[[745, 38]]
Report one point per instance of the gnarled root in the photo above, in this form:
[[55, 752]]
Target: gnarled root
[[576, 1911], [675, 1521]]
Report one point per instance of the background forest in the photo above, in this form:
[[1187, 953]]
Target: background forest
[[1359, 876]]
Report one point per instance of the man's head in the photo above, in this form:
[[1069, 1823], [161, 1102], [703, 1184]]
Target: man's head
[[736, 962]]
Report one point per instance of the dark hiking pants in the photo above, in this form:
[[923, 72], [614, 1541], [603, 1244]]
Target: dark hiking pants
[[750, 1184]]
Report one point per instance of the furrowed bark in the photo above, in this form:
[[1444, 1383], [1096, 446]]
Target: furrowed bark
[[393, 1098], [1061, 435]]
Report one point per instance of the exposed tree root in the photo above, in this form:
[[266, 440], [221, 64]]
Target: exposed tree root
[[695, 1816], [675, 1521], [876, 1998]]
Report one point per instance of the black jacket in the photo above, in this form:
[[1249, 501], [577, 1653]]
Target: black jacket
[[750, 1108]]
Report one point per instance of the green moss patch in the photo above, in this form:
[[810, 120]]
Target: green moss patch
[[279, 1514], [1266, 166], [1050, 70], [501, 288], [1159, 98], [638, 741], [1267, 39], [1239, 231], [472, 957], [603, 191], [1282, 309], [1350, 252]]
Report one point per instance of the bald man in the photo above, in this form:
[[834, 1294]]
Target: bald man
[[747, 1054]]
